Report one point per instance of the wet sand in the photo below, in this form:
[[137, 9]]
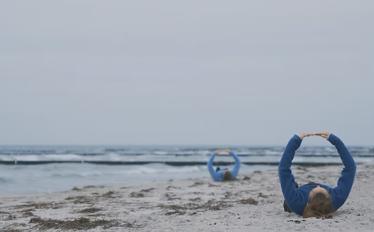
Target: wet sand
[[252, 203]]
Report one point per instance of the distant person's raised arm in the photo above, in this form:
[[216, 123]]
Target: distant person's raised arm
[[236, 167], [212, 172]]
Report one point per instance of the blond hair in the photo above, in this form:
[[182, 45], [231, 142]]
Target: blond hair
[[320, 205]]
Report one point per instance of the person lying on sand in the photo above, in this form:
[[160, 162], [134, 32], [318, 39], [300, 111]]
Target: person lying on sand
[[313, 199], [225, 174]]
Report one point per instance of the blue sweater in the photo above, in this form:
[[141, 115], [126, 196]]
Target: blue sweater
[[218, 175], [297, 198]]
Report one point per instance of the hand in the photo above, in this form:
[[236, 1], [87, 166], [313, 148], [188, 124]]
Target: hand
[[302, 135], [223, 152], [323, 134]]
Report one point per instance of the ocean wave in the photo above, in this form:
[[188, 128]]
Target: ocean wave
[[172, 156]]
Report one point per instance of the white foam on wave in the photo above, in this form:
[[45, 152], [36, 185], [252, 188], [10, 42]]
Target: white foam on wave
[[157, 169], [44, 157]]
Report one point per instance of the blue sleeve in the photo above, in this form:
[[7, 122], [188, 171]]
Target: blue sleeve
[[295, 200], [236, 168], [345, 182], [212, 172]]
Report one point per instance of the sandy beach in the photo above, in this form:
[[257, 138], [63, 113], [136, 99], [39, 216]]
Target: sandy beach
[[253, 203]]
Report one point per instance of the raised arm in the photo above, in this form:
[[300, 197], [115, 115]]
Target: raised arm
[[212, 172], [347, 176], [294, 200], [236, 167]]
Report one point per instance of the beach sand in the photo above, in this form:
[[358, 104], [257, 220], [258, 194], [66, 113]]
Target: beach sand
[[253, 203]]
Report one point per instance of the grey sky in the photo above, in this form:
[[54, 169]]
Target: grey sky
[[191, 72]]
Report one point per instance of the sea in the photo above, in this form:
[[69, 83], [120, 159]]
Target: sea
[[46, 169]]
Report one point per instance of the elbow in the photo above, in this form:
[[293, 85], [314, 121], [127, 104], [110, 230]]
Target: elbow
[[210, 163], [283, 171], [351, 169], [282, 168], [280, 171], [354, 167]]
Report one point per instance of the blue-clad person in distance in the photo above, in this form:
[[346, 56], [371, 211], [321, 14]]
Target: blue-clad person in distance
[[313, 199], [225, 174]]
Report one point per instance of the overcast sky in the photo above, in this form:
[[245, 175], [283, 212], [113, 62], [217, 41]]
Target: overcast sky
[[185, 72]]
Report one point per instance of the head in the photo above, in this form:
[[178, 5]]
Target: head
[[227, 176], [319, 203]]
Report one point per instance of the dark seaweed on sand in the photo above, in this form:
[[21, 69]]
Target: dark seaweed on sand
[[76, 224], [181, 209]]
